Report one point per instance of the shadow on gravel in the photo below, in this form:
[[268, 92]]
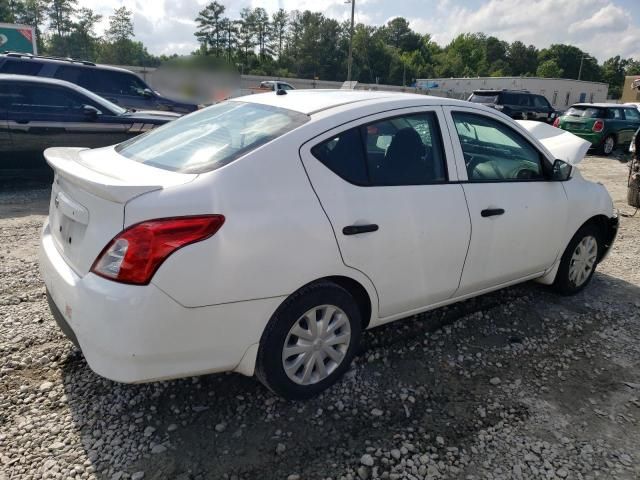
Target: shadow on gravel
[[416, 380], [25, 188]]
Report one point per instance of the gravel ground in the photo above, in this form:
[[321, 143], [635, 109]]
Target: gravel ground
[[516, 384]]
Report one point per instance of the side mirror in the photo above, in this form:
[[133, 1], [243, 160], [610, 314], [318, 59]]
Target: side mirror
[[148, 93], [90, 111], [561, 171]]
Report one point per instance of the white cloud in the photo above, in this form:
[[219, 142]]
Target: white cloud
[[601, 27]]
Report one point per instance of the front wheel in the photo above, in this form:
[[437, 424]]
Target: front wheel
[[579, 261], [309, 342]]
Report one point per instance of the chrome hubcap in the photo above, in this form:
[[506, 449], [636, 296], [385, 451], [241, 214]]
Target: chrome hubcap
[[316, 344], [583, 260], [608, 145]]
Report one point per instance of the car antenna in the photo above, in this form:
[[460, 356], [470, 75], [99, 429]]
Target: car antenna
[[281, 91]]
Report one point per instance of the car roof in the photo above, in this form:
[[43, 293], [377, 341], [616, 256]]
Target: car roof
[[43, 80], [597, 105], [313, 101], [26, 57]]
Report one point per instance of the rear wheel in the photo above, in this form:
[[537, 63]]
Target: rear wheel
[[309, 342], [608, 145], [579, 261]]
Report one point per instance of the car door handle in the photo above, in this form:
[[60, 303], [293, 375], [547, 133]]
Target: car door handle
[[356, 229], [492, 212], [22, 122]]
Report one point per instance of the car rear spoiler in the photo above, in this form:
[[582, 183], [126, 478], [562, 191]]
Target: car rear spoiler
[[561, 144], [108, 175]]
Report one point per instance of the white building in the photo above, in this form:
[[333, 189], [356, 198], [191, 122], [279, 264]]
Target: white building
[[560, 92]]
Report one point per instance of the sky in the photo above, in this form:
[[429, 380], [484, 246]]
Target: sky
[[603, 28]]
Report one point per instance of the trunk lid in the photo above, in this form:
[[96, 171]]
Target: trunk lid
[[576, 124], [88, 198]]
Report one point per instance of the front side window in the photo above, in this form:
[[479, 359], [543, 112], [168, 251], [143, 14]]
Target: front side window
[[211, 138], [632, 114], [403, 150], [495, 152], [614, 113], [115, 83]]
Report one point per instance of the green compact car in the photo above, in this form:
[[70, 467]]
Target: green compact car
[[605, 125]]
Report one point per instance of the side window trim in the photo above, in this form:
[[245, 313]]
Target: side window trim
[[357, 124], [545, 160]]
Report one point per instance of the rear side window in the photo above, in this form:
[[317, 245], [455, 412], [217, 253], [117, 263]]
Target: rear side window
[[43, 98], [344, 156], [21, 67], [211, 138], [404, 150], [540, 102]]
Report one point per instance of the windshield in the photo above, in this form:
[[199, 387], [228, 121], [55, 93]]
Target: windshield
[[484, 98], [211, 138], [585, 112]]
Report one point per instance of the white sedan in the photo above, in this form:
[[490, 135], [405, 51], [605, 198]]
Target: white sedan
[[262, 235]]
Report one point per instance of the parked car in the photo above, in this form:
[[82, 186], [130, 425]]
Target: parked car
[[518, 104], [605, 125], [275, 85], [263, 235], [117, 85], [37, 113]]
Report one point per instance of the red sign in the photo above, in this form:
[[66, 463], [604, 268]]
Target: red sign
[[27, 33]]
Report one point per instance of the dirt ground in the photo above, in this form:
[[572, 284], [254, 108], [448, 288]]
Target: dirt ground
[[518, 384]]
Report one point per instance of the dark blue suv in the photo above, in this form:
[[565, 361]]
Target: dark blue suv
[[117, 85]]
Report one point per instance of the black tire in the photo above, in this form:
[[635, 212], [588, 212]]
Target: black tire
[[602, 149], [563, 283], [269, 364]]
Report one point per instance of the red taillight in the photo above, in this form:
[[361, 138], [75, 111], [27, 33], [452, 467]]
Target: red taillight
[[598, 126], [135, 254], [556, 122]]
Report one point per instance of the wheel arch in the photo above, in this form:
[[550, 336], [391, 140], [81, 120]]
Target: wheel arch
[[608, 229]]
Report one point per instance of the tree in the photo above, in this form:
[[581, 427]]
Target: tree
[[61, 16], [211, 31], [523, 60], [7, 13], [549, 69], [279, 23], [614, 70], [398, 34], [83, 41], [120, 25], [246, 33], [33, 13]]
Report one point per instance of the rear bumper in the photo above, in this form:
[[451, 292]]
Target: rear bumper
[[138, 333]]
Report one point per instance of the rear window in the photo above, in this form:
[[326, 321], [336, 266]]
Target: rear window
[[21, 67], [484, 98], [586, 112], [211, 138]]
